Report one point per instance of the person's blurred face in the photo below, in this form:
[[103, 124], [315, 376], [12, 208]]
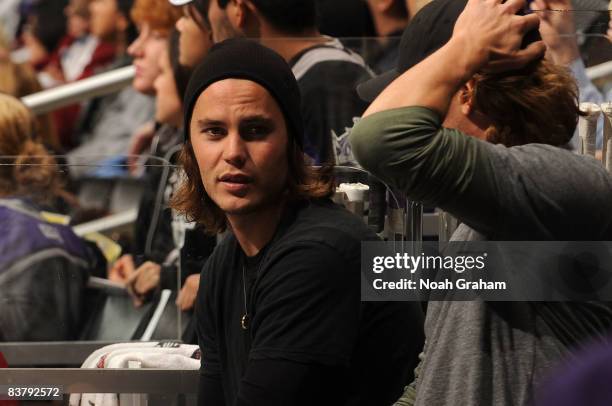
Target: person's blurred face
[[77, 25], [220, 24], [105, 16], [195, 39], [239, 139], [168, 101], [146, 51]]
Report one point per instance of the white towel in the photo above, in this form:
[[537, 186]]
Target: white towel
[[162, 355]]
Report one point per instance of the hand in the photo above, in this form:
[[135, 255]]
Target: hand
[[55, 72], [141, 140], [490, 33], [557, 29], [122, 269], [187, 296], [142, 281]]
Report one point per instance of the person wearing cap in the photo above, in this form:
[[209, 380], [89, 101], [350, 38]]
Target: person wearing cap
[[279, 316], [196, 35], [469, 77], [327, 72]]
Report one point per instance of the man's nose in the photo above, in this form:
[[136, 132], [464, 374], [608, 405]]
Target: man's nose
[[235, 151]]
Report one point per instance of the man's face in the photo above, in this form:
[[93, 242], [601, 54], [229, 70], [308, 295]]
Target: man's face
[[239, 138], [146, 51], [220, 24], [104, 17], [195, 39]]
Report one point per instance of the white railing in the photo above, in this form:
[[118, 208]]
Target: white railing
[[600, 71], [98, 85]]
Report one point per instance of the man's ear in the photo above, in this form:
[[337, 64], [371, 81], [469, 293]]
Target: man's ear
[[466, 97]]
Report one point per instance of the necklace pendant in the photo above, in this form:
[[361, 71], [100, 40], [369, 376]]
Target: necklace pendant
[[244, 323]]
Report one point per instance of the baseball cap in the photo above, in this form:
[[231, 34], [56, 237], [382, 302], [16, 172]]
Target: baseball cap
[[179, 2], [427, 32]]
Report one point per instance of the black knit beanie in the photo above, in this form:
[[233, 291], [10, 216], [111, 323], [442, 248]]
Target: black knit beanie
[[240, 58]]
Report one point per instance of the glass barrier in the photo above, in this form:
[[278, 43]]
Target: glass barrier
[[93, 258]]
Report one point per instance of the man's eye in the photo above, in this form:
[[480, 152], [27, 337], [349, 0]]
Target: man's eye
[[254, 131], [214, 132]]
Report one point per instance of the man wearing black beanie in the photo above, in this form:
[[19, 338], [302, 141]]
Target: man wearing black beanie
[[327, 72], [279, 316]]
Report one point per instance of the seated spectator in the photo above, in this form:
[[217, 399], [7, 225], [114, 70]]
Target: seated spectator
[[155, 20], [43, 265], [108, 123], [78, 56], [471, 84], [42, 33], [326, 71], [280, 321], [196, 35], [148, 267]]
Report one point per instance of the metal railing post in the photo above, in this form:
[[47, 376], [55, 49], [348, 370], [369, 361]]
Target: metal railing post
[[65, 95]]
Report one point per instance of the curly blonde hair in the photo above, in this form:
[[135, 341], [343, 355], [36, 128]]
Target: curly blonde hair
[[26, 168]]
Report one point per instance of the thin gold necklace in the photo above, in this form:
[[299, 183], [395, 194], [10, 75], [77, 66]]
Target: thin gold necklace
[[244, 321]]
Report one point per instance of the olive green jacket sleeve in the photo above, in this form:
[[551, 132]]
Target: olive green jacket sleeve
[[527, 192], [408, 149]]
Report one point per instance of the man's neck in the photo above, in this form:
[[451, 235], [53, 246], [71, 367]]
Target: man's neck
[[288, 48], [255, 230]]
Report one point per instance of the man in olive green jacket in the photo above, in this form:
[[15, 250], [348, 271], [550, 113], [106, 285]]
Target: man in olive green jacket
[[414, 136]]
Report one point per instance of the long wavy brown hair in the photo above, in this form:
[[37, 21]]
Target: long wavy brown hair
[[537, 104], [304, 182]]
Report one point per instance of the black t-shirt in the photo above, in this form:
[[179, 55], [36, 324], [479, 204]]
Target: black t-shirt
[[305, 318]]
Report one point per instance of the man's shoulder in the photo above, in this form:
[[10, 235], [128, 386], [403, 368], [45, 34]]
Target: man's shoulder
[[335, 73], [329, 60], [224, 249], [558, 184], [556, 162], [324, 223]]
